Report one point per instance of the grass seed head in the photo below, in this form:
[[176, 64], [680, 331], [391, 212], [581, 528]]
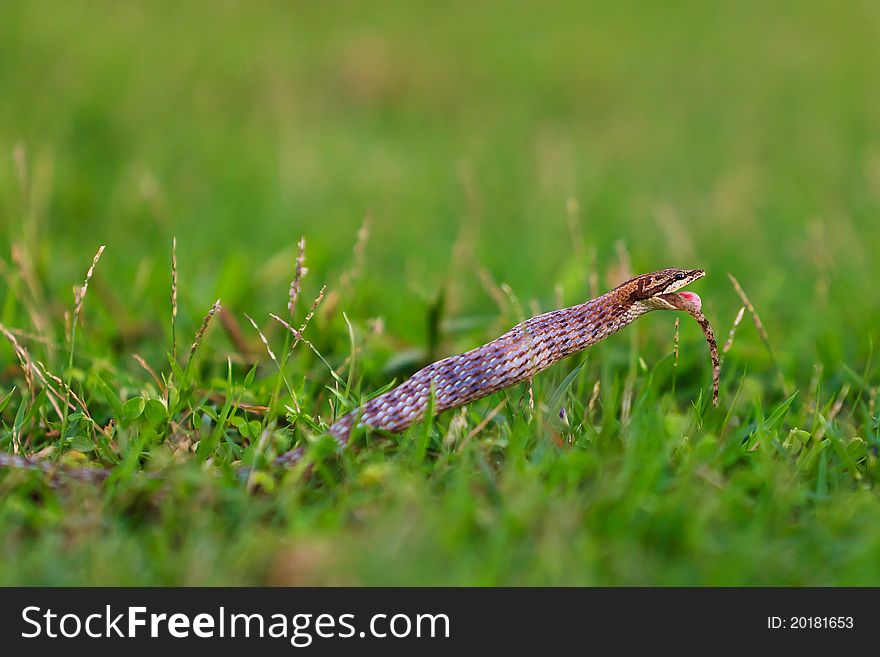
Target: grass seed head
[[299, 273], [80, 295], [203, 328]]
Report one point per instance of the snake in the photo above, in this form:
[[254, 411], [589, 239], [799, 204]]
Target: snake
[[516, 356], [524, 351]]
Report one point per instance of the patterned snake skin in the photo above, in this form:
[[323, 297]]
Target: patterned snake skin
[[522, 352], [519, 354]]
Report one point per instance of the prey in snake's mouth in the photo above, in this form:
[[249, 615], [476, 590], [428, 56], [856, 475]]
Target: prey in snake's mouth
[[660, 291], [691, 303]]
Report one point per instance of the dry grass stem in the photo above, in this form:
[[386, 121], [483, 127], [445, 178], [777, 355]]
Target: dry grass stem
[[594, 273], [732, 334], [355, 269], [575, 230], [492, 289], [677, 235], [204, 327], [675, 341], [22, 260], [36, 300], [359, 255], [79, 298], [534, 306], [461, 257], [754, 313], [68, 392], [594, 397], [264, 341], [298, 332], [515, 305], [174, 297], [626, 403], [23, 359], [80, 295], [33, 337], [621, 270], [759, 325], [140, 361], [482, 425], [457, 426], [31, 369], [295, 332], [19, 156], [16, 440], [234, 333], [315, 304], [833, 413], [299, 337]]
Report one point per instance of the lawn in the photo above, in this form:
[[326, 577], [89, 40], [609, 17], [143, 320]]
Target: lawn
[[453, 169]]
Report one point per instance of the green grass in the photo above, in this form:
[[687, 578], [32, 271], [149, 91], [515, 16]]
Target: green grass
[[489, 144]]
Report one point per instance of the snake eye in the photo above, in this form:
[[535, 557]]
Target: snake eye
[[679, 276]]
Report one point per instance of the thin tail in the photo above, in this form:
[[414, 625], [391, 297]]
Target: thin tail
[[53, 470], [340, 430]]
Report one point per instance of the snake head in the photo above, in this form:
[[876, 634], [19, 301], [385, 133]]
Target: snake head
[[652, 289]]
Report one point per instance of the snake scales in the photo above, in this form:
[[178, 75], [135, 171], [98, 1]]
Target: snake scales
[[526, 349], [522, 352]]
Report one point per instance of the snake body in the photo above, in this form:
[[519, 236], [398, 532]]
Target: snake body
[[521, 353]]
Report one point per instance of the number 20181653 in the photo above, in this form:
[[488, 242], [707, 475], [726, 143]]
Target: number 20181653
[[810, 623]]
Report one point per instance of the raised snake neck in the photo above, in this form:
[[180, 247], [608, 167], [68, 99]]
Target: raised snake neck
[[526, 349]]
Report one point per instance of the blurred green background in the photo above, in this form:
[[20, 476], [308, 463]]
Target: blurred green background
[[539, 142], [737, 138]]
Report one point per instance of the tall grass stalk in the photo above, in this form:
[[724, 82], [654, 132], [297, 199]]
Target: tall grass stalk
[[79, 298]]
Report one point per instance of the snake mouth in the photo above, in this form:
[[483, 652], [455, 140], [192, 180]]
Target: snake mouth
[[683, 300], [675, 300]]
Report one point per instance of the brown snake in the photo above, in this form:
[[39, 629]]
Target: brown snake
[[522, 352], [526, 349]]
